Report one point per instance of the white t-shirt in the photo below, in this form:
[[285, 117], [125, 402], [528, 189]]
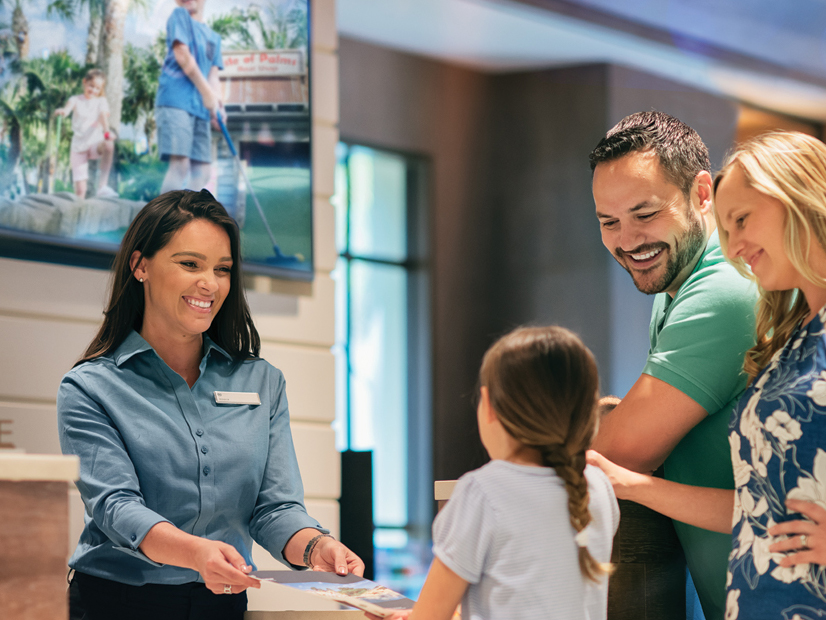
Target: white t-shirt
[[506, 530], [87, 131]]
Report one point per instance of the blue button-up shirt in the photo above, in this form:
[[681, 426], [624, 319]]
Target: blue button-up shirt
[[151, 449]]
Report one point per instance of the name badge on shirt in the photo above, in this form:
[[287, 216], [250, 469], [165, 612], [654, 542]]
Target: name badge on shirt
[[237, 398]]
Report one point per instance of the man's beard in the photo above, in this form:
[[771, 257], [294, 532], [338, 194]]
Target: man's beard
[[685, 249]]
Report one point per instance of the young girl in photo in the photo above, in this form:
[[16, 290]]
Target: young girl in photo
[[529, 534], [90, 134]]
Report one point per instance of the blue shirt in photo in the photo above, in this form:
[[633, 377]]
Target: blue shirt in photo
[[175, 89]]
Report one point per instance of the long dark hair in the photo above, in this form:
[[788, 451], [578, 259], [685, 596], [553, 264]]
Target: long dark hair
[[543, 384], [153, 227]]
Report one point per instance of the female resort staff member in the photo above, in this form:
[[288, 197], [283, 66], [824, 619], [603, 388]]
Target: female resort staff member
[[182, 432]]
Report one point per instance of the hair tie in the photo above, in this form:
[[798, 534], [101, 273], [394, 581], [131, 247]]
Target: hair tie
[[582, 537]]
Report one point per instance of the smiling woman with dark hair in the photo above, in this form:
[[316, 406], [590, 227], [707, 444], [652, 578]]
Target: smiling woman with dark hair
[[183, 432]]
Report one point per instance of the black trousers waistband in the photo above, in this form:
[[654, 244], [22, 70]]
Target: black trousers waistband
[[94, 598]]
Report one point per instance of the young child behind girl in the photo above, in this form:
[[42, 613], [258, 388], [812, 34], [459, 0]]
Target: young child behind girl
[[90, 137], [529, 534]]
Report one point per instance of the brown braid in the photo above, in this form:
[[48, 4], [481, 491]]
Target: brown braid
[[573, 473], [543, 384]]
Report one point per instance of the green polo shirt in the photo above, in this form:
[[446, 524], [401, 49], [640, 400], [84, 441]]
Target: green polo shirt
[[698, 340]]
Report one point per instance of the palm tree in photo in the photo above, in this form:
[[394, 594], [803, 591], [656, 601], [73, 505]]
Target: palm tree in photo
[[20, 28], [233, 28], [270, 28], [50, 82], [114, 18], [143, 70], [281, 27], [11, 113]]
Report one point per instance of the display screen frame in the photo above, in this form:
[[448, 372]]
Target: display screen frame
[[272, 137]]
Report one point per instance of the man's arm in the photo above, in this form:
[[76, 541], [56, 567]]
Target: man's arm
[[707, 508], [190, 67], [643, 429]]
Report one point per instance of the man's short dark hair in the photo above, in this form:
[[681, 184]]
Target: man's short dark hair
[[680, 149]]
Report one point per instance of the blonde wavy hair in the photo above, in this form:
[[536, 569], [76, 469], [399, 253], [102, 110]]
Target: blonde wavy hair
[[542, 383], [791, 168]]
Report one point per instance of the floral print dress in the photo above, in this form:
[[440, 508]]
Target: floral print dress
[[778, 449]]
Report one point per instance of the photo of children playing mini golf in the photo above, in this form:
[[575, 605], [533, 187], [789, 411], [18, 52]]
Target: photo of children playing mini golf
[[104, 106]]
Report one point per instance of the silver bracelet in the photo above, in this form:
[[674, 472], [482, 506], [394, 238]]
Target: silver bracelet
[[308, 550]]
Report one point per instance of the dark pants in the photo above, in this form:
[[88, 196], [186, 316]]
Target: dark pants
[[93, 598]]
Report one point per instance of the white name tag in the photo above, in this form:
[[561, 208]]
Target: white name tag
[[237, 398]]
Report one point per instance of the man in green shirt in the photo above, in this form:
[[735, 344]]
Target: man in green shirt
[[652, 187]]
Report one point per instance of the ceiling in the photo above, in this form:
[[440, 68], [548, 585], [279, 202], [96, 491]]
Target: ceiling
[[768, 53]]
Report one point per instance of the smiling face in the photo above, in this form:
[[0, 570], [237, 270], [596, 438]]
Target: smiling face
[[755, 224], [194, 7], [93, 88], [646, 222], [185, 282]]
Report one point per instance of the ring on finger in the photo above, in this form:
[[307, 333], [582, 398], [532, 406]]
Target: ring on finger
[[227, 589], [804, 541]]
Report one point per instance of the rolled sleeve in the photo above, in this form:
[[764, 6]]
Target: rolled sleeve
[[699, 350], [279, 511], [108, 483], [178, 28], [463, 531]]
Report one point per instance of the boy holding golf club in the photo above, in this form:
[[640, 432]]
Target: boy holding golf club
[[189, 96]]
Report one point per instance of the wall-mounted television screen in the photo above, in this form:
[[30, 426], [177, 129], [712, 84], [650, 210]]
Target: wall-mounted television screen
[[106, 104]]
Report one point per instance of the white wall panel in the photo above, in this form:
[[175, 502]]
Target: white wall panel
[[37, 353], [320, 464], [323, 18], [32, 288], [325, 138], [327, 513], [304, 319], [33, 427], [310, 376], [325, 87], [324, 235]]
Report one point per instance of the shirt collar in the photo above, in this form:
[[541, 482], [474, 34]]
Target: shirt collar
[[135, 344], [712, 243], [209, 345]]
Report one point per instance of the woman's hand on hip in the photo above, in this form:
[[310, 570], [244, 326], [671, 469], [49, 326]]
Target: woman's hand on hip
[[330, 556], [806, 540]]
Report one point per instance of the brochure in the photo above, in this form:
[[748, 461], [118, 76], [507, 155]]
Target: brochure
[[348, 589]]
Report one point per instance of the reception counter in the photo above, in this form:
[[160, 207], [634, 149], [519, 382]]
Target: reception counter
[[304, 615], [34, 532]]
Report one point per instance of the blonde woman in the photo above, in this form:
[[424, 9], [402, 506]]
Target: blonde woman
[[770, 204]]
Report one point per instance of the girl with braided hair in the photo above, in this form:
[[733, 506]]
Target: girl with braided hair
[[528, 535]]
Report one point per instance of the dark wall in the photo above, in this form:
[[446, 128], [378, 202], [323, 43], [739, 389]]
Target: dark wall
[[550, 265], [514, 238], [398, 101]]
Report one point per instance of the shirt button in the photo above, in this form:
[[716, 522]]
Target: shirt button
[[206, 470], [134, 537], [204, 449], [199, 432]]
